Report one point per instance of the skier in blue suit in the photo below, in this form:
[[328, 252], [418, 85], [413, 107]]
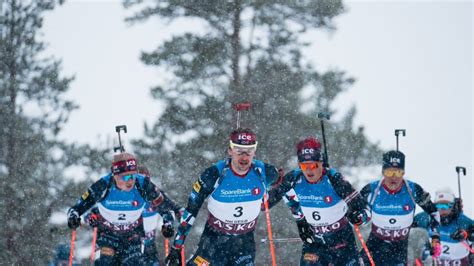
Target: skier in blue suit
[[392, 201], [455, 230], [120, 198], [322, 198], [235, 189]]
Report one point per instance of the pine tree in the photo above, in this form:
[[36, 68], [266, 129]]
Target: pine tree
[[33, 110], [250, 51]]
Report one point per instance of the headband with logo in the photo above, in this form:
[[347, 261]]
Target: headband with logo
[[124, 166]]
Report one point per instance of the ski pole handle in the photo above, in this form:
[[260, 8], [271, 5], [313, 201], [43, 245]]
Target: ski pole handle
[[94, 240], [460, 169], [118, 129], [397, 132], [364, 245], [239, 107], [71, 248]]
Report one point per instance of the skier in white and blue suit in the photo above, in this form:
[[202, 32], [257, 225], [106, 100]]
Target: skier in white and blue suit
[[392, 201], [121, 197], [322, 198], [455, 230], [150, 224], [235, 189]]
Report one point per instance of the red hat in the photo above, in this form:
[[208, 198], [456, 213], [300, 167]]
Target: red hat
[[243, 137], [123, 163], [309, 149]]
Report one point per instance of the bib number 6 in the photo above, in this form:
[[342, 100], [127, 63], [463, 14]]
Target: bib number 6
[[316, 216]]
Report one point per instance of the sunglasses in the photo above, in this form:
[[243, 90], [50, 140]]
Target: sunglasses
[[128, 177], [308, 166], [242, 150], [393, 172], [444, 206]]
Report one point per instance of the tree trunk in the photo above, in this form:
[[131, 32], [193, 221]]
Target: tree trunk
[[236, 89]]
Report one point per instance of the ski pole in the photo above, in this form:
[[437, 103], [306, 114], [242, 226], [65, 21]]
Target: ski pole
[[364, 245], [465, 244], [287, 240], [460, 169], [269, 229], [397, 132], [94, 239], [322, 116], [183, 258], [245, 106], [167, 247], [418, 262], [118, 129], [71, 248]]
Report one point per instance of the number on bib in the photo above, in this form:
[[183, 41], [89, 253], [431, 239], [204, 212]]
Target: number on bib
[[239, 211], [316, 216], [446, 250]]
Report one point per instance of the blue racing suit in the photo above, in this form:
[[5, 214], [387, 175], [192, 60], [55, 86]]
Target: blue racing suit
[[119, 219], [454, 252], [234, 203], [392, 217], [324, 205]]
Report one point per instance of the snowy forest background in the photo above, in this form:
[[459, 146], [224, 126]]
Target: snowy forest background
[[232, 51]]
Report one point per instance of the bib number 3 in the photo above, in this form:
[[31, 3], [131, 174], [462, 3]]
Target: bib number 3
[[239, 211]]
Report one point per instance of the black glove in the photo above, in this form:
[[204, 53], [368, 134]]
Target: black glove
[[459, 235], [358, 217], [73, 219], [435, 220], [167, 229], [174, 258], [305, 231], [457, 208]]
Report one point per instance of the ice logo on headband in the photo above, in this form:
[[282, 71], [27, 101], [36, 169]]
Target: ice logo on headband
[[244, 137], [307, 151], [395, 160]]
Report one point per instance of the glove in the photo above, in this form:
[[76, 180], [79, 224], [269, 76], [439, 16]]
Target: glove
[[358, 217], [305, 231], [458, 206], [435, 219], [459, 235], [435, 245], [73, 219], [167, 229], [174, 258], [178, 213], [93, 218]]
